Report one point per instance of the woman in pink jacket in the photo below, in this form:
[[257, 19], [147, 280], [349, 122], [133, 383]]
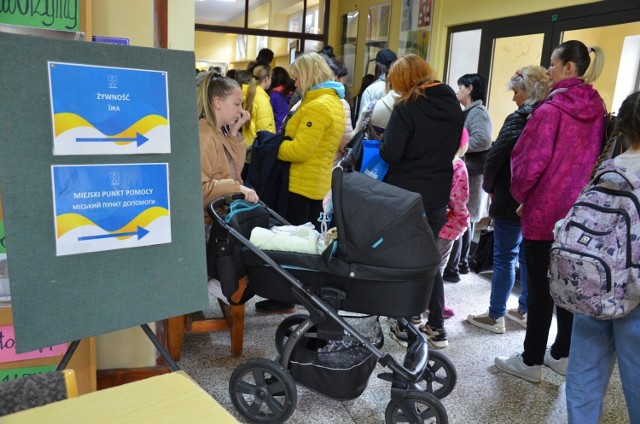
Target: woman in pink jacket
[[550, 164]]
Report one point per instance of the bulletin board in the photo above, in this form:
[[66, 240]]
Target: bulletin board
[[61, 298]]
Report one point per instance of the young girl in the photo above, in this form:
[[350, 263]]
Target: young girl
[[258, 103], [595, 344], [222, 147]]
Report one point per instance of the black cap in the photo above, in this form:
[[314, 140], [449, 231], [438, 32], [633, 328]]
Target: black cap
[[386, 57]]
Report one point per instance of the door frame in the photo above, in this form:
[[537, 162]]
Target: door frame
[[550, 22]]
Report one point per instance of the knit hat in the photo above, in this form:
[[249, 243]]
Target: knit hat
[[386, 57]]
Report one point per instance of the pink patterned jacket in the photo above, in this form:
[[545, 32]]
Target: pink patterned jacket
[[553, 158], [457, 213]]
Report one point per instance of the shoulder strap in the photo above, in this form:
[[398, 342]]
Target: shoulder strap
[[366, 114]]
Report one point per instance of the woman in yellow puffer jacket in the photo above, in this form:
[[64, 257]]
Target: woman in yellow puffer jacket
[[313, 136], [258, 103]]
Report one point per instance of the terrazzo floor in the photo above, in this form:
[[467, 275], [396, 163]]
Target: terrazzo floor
[[482, 393]]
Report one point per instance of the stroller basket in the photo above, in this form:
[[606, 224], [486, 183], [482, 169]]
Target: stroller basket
[[339, 369]]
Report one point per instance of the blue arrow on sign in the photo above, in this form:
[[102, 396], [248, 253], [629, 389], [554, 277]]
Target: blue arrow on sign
[[139, 139], [140, 232]]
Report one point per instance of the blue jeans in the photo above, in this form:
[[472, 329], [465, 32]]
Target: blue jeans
[[594, 347], [507, 248]]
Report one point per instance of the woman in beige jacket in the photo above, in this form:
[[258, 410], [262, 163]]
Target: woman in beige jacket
[[222, 146]]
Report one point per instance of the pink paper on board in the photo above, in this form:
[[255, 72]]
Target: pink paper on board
[[8, 348]]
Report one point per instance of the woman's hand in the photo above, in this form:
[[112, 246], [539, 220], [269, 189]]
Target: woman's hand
[[249, 194], [519, 210], [244, 117]]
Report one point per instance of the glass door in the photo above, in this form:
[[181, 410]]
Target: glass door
[[509, 54]]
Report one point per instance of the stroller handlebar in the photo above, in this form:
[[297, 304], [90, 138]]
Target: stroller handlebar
[[225, 200]]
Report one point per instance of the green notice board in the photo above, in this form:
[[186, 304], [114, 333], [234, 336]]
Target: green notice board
[[59, 298]]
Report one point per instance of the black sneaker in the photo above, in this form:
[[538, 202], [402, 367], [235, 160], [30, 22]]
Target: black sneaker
[[399, 335], [451, 276], [437, 337], [464, 269], [275, 307]]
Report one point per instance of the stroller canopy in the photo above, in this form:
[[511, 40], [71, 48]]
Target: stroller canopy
[[380, 224]]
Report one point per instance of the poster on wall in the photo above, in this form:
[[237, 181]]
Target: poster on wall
[[415, 27], [378, 23], [108, 207], [98, 110]]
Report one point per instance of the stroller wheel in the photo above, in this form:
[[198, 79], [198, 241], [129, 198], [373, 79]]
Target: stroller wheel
[[285, 329], [440, 377], [262, 391], [425, 408]]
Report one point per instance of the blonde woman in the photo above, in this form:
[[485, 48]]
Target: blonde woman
[[312, 138], [258, 103], [530, 86]]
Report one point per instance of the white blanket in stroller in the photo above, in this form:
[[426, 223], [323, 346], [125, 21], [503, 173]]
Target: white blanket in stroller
[[288, 238]]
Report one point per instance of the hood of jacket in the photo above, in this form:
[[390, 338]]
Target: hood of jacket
[[440, 99], [577, 99], [389, 100], [338, 87]]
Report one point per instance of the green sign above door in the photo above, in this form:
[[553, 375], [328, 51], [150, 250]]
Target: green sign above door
[[57, 14]]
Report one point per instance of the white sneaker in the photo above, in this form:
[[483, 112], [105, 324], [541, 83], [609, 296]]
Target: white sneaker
[[514, 365], [518, 317], [485, 321], [558, 365]]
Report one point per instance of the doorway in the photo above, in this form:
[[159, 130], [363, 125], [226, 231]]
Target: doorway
[[509, 43]]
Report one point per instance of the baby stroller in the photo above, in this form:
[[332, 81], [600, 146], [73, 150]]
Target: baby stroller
[[383, 263]]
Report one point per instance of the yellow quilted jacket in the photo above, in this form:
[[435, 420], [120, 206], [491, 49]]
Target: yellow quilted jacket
[[315, 130], [261, 114]]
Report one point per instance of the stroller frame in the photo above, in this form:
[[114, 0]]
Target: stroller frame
[[271, 395]]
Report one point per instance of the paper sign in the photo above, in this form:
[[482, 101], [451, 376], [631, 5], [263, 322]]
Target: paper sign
[[103, 110], [15, 373], [108, 207], [8, 348]]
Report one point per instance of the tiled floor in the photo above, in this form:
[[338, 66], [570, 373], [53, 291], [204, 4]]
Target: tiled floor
[[482, 394]]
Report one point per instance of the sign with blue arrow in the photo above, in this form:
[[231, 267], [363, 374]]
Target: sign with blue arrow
[[99, 110], [107, 207]]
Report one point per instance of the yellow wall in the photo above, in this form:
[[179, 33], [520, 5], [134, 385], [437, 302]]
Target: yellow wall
[[214, 47], [182, 18], [447, 13], [124, 18], [610, 39]]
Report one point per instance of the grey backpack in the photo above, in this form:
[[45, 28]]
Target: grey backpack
[[595, 258]]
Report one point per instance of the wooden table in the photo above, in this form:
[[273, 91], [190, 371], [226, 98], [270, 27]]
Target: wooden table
[[169, 398]]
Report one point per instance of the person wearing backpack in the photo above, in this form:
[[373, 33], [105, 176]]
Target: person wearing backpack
[[596, 343], [550, 164]]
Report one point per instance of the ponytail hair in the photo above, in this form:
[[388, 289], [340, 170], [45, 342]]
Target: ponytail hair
[[409, 76], [575, 51], [211, 85], [260, 72]]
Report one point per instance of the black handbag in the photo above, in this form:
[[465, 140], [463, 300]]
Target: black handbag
[[483, 256], [475, 162]]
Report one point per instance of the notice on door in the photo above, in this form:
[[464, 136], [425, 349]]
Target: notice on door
[[108, 207], [100, 110]]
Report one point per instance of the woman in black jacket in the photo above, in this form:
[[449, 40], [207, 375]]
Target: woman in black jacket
[[421, 138], [530, 86]]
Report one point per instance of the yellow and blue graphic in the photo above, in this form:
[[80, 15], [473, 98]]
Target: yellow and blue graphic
[[107, 207], [100, 110]]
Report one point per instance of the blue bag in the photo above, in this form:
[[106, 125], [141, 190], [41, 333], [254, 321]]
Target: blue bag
[[372, 164]]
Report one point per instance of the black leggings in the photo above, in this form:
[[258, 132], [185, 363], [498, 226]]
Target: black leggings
[[301, 210], [540, 308]]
